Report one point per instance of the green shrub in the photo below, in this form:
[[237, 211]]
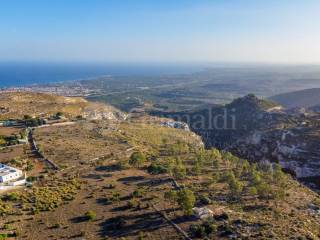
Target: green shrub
[[179, 170], [90, 215], [253, 191], [278, 174], [156, 168], [30, 166], [264, 190], [235, 185], [137, 193], [3, 236], [204, 230], [205, 200], [197, 168], [12, 196], [50, 197], [197, 231], [115, 196], [133, 203], [137, 159]]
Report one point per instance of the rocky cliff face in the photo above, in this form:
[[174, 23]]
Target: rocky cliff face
[[296, 149], [260, 130]]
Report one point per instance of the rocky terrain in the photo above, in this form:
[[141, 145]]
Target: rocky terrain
[[260, 130], [15, 105]]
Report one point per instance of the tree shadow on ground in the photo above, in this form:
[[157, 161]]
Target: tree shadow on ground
[[131, 179], [103, 201], [184, 219], [154, 182], [123, 226], [120, 208], [109, 168], [93, 176], [79, 219]]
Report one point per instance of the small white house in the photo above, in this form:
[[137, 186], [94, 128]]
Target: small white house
[[8, 173]]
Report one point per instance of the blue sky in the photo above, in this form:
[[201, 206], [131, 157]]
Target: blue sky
[[286, 31]]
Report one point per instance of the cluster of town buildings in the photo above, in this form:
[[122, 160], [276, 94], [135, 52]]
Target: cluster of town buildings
[[59, 89]]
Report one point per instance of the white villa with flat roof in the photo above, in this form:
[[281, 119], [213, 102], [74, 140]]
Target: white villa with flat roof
[[8, 173]]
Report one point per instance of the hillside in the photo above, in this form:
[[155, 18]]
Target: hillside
[[260, 131], [15, 105], [252, 102], [138, 178], [299, 99]]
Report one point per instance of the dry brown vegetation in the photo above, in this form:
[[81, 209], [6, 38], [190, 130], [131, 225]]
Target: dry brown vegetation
[[122, 198], [100, 192], [20, 104], [7, 131]]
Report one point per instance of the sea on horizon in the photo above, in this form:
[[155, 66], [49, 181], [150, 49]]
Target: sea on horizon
[[25, 74]]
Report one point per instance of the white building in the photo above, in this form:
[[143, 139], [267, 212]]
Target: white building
[[8, 173]]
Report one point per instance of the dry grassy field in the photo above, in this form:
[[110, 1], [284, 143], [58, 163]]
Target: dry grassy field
[[7, 131], [85, 141], [19, 104], [123, 199]]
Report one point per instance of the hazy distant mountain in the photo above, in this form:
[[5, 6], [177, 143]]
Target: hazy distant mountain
[[305, 98]]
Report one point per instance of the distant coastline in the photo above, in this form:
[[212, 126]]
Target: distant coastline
[[26, 74]]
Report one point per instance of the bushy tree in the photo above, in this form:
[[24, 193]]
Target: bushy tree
[[252, 191], [186, 201], [254, 175], [197, 168], [137, 159], [264, 190], [235, 185], [179, 170], [157, 168]]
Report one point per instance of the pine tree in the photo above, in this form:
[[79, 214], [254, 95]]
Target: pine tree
[[186, 201], [235, 185]]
